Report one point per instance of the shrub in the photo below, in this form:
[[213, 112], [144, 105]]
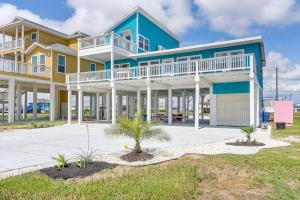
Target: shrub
[[86, 158], [61, 161], [248, 130]]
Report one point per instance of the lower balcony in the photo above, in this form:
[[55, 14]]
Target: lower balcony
[[202, 66]]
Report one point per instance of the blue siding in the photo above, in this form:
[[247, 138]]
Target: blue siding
[[156, 35], [131, 24], [231, 87]]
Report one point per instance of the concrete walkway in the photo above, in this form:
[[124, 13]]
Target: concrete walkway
[[24, 148]]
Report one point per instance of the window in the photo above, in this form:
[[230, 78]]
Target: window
[[92, 67], [228, 53], [151, 62], [184, 59], [144, 43], [34, 37], [168, 60], [61, 64], [121, 66], [38, 63], [42, 63]]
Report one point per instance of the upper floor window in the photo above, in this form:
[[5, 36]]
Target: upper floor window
[[38, 63], [61, 63], [93, 67], [187, 58], [229, 53], [121, 66], [144, 43], [34, 36], [151, 62]]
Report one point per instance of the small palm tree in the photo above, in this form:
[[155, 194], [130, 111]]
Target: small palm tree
[[248, 130], [137, 129]]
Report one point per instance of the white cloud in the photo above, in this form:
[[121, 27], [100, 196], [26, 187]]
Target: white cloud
[[93, 16], [288, 73], [244, 17]]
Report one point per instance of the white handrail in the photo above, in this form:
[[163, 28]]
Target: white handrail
[[10, 45]]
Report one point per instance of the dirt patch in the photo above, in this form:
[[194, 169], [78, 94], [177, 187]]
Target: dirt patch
[[134, 157], [73, 171]]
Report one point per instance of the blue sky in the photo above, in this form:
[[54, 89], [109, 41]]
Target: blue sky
[[195, 21]]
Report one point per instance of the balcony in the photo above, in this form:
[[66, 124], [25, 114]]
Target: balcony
[[201, 66], [101, 46], [11, 66], [11, 45]]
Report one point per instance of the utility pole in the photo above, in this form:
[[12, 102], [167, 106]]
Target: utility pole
[[276, 97]]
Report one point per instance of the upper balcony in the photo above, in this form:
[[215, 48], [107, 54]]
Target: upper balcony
[[237, 63], [21, 69], [11, 45], [100, 47]]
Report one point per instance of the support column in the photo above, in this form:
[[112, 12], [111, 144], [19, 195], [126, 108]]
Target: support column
[[138, 102], [258, 104], [188, 106], [97, 107], [127, 106], [52, 102], [25, 106], [184, 106], [213, 107], [202, 107], [69, 106], [178, 105], [155, 103], [108, 109], [19, 101], [91, 106], [196, 103], [113, 102], [11, 100], [170, 117], [252, 100], [148, 101], [34, 103], [119, 106], [80, 104]]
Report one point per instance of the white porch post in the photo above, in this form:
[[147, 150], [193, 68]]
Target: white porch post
[[22, 37], [25, 106], [34, 103], [148, 101], [80, 104], [258, 105], [213, 106], [107, 101], [69, 106], [170, 106], [91, 106], [119, 106], [11, 100], [197, 94], [97, 107], [52, 102], [127, 105], [202, 107], [138, 102], [155, 100], [252, 99], [183, 105], [178, 105], [113, 102], [19, 101]]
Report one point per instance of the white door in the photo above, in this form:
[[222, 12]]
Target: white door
[[233, 109]]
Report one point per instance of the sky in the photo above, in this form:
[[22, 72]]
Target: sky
[[194, 21]]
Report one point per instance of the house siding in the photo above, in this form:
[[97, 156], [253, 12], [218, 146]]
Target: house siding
[[231, 87]]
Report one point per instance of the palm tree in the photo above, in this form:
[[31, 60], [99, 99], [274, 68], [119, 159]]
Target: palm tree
[[137, 129], [248, 130]]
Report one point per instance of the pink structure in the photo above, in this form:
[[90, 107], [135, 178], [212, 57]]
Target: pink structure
[[283, 112]]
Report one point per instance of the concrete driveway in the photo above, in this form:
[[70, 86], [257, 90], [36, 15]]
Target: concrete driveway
[[24, 148]]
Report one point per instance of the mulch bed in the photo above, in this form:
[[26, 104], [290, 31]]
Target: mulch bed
[[134, 157], [73, 171], [247, 143]]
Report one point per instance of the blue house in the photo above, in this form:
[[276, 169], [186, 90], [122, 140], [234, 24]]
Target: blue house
[[145, 64]]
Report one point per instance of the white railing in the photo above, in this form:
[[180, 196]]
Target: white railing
[[208, 65], [10, 45], [105, 39], [12, 66]]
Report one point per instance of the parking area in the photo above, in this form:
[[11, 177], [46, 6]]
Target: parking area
[[24, 148]]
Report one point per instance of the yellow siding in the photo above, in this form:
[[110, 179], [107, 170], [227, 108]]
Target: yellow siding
[[73, 44], [63, 96], [47, 38], [25, 76], [37, 51]]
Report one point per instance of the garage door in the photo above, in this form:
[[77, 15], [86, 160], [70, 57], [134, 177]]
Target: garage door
[[233, 109]]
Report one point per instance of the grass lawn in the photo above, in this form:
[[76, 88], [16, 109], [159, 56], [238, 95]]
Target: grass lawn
[[270, 174], [28, 125]]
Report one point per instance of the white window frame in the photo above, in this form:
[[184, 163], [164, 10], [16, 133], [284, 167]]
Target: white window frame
[[188, 57], [36, 36], [149, 62], [90, 67], [145, 38], [38, 62], [58, 63], [168, 59], [119, 66], [228, 53]]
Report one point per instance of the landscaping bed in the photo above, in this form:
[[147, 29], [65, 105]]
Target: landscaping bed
[[73, 171], [247, 143], [134, 156]]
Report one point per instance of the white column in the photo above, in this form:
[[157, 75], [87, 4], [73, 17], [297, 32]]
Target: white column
[[178, 105], [97, 107], [196, 103], [119, 106], [34, 103], [108, 109], [170, 117], [52, 102], [187, 106], [11, 100], [252, 100], [213, 107], [202, 107], [80, 104], [113, 102], [138, 102], [78, 68], [148, 101], [19, 101], [91, 106], [17, 34], [23, 41], [127, 106], [183, 106], [25, 106], [69, 106], [155, 103], [258, 104]]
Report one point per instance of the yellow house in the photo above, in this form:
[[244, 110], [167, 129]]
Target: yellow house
[[35, 58]]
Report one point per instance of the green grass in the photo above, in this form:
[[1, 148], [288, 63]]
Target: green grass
[[29, 125], [290, 130]]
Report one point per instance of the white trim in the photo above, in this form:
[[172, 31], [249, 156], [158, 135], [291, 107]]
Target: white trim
[[137, 29], [189, 57], [149, 62], [36, 40], [229, 52], [58, 63], [144, 38], [90, 69], [38, 60]]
